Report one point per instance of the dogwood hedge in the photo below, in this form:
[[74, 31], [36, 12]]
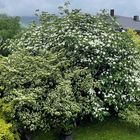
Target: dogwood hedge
[[69, 67]]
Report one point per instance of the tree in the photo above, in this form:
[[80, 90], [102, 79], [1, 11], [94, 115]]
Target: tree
[[70, 67], [9, 27]]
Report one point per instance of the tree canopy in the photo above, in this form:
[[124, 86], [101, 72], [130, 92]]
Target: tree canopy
[[69, 67], [9, 27]]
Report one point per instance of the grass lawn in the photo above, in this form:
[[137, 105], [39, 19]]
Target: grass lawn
[[108, 130]]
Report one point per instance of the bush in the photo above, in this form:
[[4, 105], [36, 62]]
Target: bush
[[135, 37], [131, 114], [7, 130], [44, 96], [71, 66]]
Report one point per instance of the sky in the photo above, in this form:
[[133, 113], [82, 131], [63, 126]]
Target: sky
[[28, 7]]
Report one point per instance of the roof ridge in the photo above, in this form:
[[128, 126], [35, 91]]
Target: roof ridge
[[123, 16]]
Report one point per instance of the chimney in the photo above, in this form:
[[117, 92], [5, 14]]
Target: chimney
[[136, 18], [112, 12]]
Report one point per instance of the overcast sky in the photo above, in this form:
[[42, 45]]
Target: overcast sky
[[28, 7]]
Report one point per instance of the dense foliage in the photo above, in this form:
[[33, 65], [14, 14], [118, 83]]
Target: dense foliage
[[43, 95], [6, 132], [135, 37], [70, 67], [131, 113], [7, 129], [9, 27]]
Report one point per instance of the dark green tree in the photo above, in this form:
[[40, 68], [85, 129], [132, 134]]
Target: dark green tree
[[9, 27]]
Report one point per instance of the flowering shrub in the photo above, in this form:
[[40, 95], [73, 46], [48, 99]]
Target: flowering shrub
[[43, 95], [131, 114], [69, 67]]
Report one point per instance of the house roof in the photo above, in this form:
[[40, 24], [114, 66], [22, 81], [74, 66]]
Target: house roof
[[128, 22]]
